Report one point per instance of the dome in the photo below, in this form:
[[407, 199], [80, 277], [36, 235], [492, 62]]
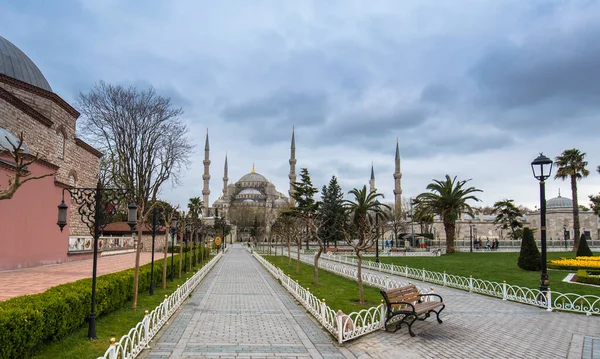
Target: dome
[[253, 177], [559, 202], [251, 191], [248, 201], [5, 144], [14, 63]]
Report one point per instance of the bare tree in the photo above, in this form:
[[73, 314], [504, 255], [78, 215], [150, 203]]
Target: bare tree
[[145, 139], [396, 220], [21, 161], [169, 214]]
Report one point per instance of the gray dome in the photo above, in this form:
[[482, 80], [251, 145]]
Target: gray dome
[[253, 177], [559, 202], [5, 145], [14, 63], [250, 191]]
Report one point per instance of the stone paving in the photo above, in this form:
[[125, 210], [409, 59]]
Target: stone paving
[[239, 310], [14, 283]]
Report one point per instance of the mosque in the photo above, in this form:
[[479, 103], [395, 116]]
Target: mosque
[[254, 195]]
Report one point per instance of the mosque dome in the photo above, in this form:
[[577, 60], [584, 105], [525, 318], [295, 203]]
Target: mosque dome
[[14, 63], [253, 177], [250, 191], [559, 202]]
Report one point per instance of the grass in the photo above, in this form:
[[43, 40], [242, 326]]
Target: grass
[[495, 267], [116, 324], [340, 293]]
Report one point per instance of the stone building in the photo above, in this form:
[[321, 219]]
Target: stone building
[[30, 236]]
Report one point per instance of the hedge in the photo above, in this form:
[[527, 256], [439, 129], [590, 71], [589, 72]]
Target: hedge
[[27, 322], [583, 276]]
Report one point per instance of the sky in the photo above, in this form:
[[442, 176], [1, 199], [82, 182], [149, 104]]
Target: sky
[[472, 88]]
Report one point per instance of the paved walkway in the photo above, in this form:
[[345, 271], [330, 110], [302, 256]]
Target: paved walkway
[[19, 282], [239, 310]]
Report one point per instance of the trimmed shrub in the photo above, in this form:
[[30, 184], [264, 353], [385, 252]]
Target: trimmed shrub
[[530, 257], [29, 321], [584, 250], [583, 276]]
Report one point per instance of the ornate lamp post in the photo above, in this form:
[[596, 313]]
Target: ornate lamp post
[[471, 236], [565, 235], [377, 204], [542, 168], [154, 229], [173, 234], [92, 205]]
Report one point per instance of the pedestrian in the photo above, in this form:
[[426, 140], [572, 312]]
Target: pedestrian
[[488, 244]]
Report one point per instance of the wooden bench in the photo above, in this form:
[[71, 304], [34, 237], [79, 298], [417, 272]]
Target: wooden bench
[[408, 302]]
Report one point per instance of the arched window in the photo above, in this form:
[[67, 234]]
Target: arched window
[[60, 145], [72, 178]]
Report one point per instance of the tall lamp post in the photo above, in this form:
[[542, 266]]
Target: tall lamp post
[[92, 204], [471, 236], [542, 168], [377, 204], [154, 229], [412, 225], [173, 235], [188, 234], [565, 235]]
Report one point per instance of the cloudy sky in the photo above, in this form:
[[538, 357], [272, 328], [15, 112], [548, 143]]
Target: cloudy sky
[[469, 88]]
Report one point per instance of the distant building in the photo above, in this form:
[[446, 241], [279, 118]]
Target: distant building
[[29, 235]]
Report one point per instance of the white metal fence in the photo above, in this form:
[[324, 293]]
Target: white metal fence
[[139, 337], [342, 326], [587, 304]]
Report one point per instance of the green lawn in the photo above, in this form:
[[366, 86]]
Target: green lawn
[[339, 292], [116, 324], [495, 267]]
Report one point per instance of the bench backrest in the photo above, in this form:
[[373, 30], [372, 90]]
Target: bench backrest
[[408, 293]]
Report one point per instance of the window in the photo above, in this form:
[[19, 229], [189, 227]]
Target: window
[[60, 145], [72, 180]]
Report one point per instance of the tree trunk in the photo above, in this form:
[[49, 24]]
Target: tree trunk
[[361, 298], [316, 263], [136, 269], [190, 254], [289, 245], [449, 228], [298, 258], [576, 227], [165, 260], [180, 257]]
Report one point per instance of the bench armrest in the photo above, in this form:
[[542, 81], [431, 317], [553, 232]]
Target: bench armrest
[[432, 294]]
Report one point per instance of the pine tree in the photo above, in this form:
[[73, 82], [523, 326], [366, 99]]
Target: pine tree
[[333, 211], [304, 194], [584, 250], [530, 257]]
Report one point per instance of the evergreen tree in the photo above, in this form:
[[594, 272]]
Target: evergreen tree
[[304, 194], [530, 257], [584, 250], [508, 216], [333, 211]]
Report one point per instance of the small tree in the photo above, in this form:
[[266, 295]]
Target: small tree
[[508, 216], [530, 258], [333, 212], [584, 250], [21, 161]]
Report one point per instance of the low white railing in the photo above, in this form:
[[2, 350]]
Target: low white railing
[[342, 326], [139, 337], [587, 304]]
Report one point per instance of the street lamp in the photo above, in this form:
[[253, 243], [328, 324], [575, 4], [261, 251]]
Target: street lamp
[[412, 225], [154, 229], [471, 236], [188, 230], [377, 204], [542, 168], [565, 235], [92, 204], [173, 234]]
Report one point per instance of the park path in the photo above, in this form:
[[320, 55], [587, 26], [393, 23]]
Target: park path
[[239, 310], [17, 282], [477, 326]]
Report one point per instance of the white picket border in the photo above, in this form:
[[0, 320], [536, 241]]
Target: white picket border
[[342, 326], [585, 304], [139, 337]]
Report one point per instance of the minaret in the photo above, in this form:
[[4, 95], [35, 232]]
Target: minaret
[[397, 178], [206, 177], [225, 178], [372, 180], [292, 175]]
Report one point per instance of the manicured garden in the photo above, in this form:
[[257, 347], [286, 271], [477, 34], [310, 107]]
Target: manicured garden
[[495, 267], [339, 292]]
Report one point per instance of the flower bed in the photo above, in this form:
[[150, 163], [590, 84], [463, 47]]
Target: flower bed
[[576, 263], [588, 277]]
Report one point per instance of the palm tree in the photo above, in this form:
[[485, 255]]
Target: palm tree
[[508, 216], [571, 165], [362, 209], [448, 199]]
